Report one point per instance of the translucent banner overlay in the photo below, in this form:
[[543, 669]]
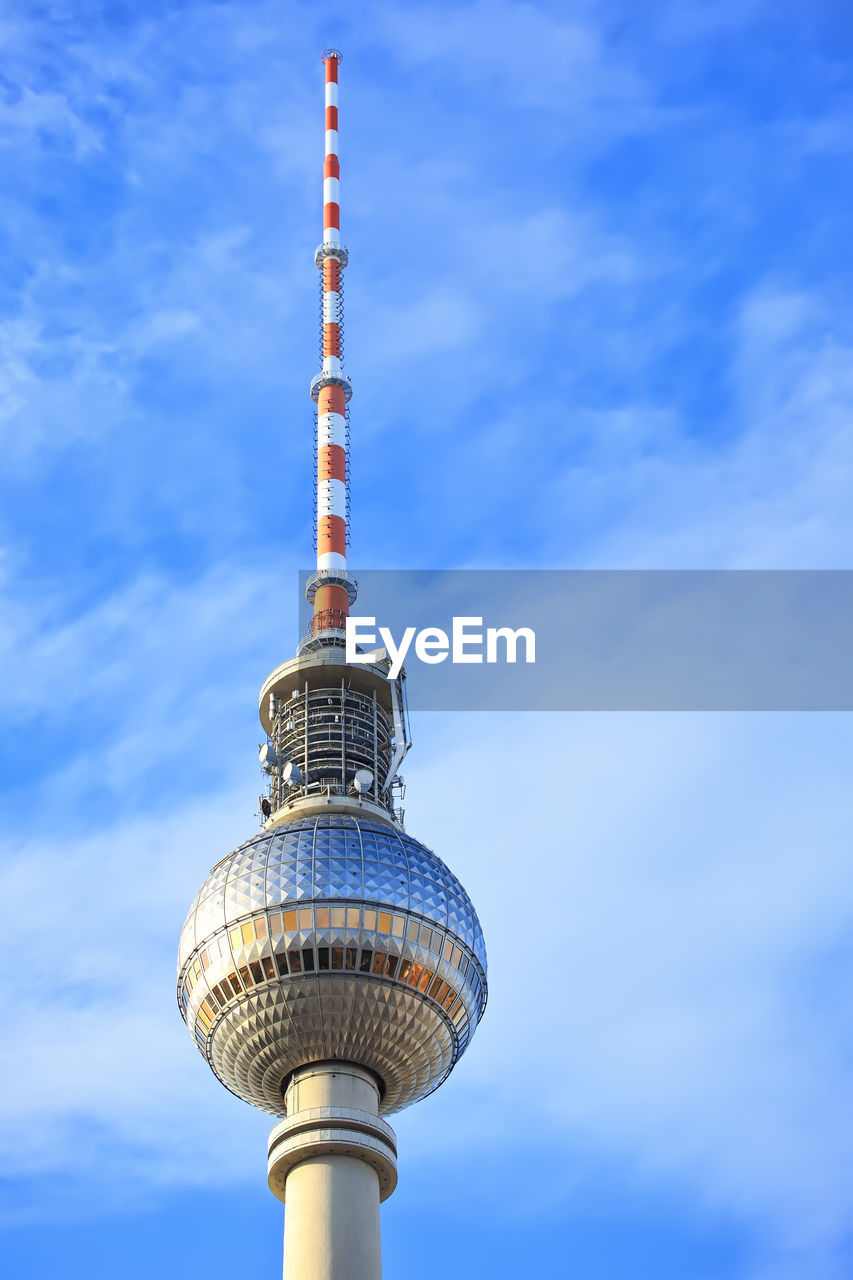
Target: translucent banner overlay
[[616, 640]]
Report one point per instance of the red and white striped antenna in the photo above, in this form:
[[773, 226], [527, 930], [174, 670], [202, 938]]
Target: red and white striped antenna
[[331, 589]]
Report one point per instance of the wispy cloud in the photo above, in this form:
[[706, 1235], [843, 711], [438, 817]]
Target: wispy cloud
[[668, 932], [597, 314]]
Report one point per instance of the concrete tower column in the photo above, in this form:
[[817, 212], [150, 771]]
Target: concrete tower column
[[331, 1162]]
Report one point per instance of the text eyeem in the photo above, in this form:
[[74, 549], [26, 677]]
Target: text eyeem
[[467, 642]]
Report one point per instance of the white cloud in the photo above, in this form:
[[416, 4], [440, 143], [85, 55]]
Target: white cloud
[[667, 910]]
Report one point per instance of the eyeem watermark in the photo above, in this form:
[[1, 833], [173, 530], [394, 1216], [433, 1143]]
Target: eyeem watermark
[[466, 643]]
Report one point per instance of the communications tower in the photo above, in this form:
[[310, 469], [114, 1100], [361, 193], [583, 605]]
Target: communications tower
[[332, 969]]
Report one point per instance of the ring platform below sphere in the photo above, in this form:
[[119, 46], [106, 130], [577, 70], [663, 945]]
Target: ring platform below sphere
[[332, 937]]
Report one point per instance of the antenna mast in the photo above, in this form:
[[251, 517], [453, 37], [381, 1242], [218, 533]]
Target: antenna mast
[[331, 589]]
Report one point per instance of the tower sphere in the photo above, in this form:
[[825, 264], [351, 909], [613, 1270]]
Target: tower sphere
[[332, 937]]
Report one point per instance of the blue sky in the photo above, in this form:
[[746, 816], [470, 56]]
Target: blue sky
[[597, 316]]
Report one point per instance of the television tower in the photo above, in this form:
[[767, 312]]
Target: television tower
[[332, 969]]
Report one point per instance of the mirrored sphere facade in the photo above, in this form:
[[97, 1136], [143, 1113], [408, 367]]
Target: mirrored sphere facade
[[332, 937]]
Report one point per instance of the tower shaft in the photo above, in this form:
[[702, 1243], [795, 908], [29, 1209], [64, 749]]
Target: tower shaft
[[332, 1161]]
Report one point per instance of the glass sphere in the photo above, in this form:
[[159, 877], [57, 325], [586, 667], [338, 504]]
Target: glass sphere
[[332, 937]]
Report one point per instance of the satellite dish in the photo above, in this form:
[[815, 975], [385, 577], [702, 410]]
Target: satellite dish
[[266, 807], [291, 774], [267, 757], [362, 781]]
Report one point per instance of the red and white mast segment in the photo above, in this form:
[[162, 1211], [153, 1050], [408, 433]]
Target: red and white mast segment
[[330, 589]]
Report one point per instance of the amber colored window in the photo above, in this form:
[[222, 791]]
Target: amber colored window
[[276, 923], [322, 957], [379, 958], [391, 966], [247, 931], [220, 995], [448, 949], [281, 961], [305, 918], [308, 959], [369, 918], [426, 978], [399, 926], [353, 914], [266, 965], [322, 917], [291, 921], [196, 970], [339, 916], [236, 938], [257, 972], [205, 960], [384, 922], [260, 927], [295, 961], [364, 963], [405, 970], [246, 976], [457, 957], [337, 957], [412, 931], [435, 988], [350, 958], [426, 936], [449, 998], [416, 972]]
